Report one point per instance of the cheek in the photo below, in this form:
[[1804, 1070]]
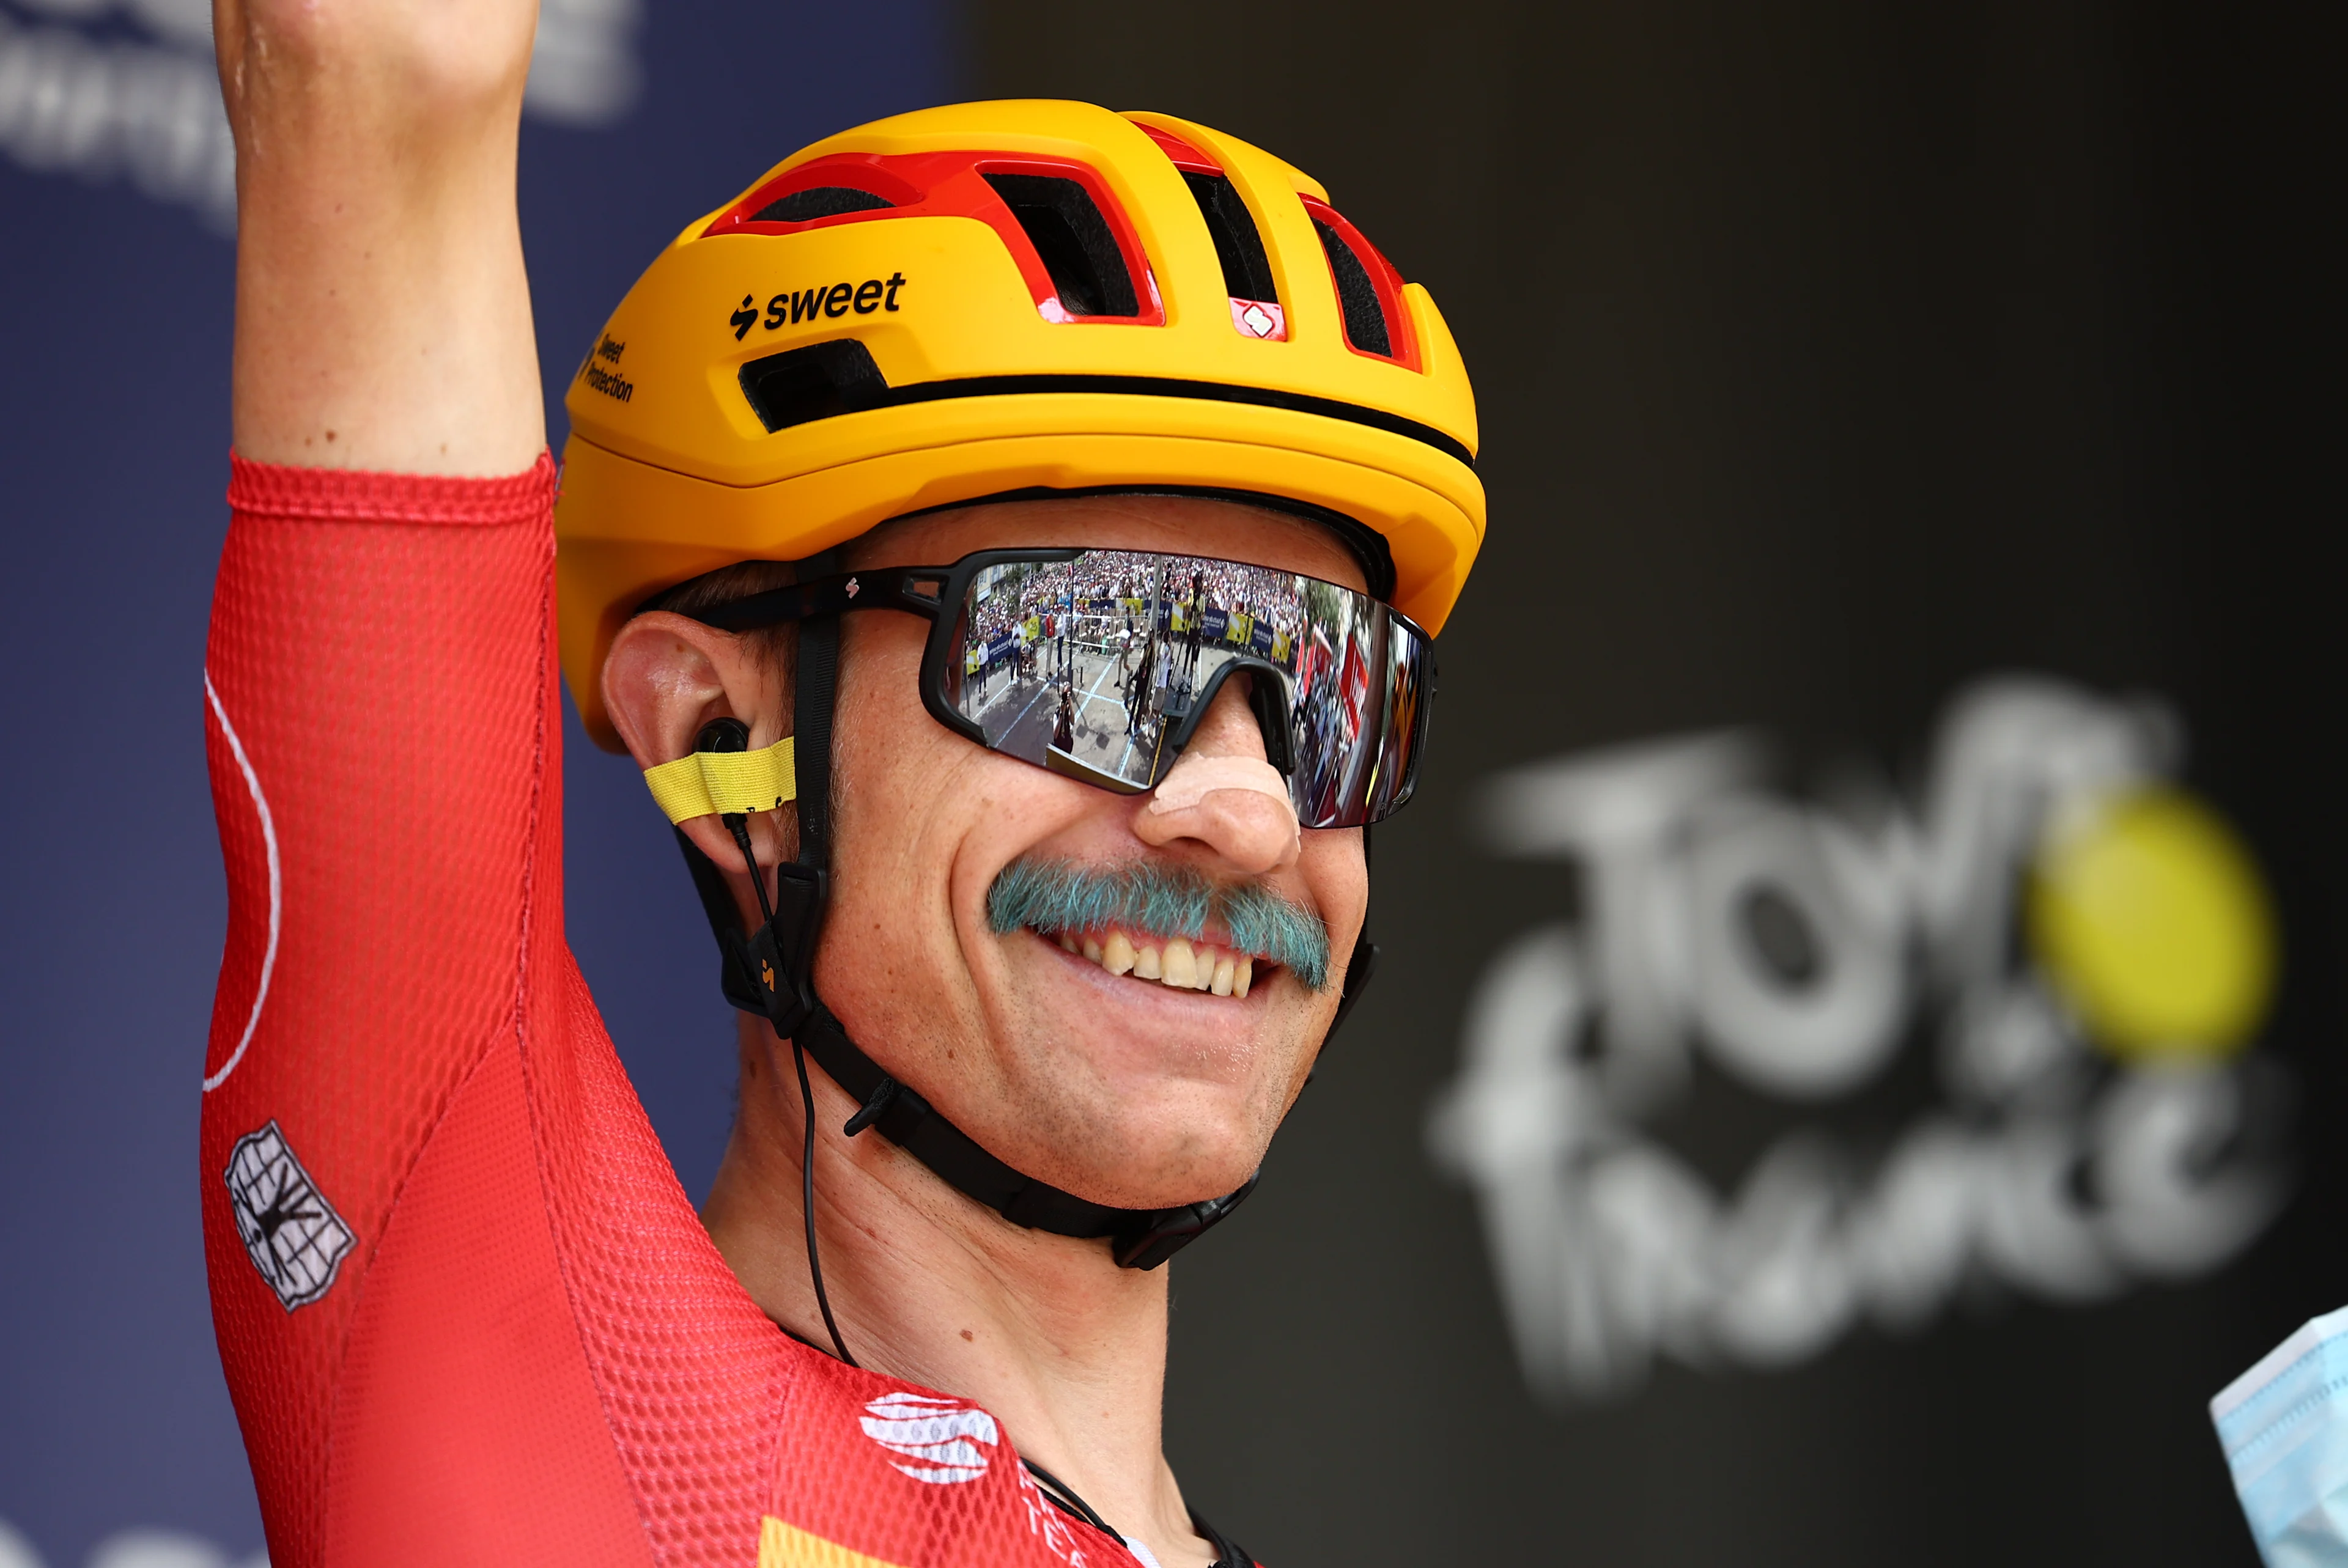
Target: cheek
[[1336, 876], [888, 753], [894, 784], [889, 964], [923, 817], [888, 757]]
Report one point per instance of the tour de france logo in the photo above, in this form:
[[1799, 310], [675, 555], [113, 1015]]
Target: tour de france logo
[[1997, 1034]]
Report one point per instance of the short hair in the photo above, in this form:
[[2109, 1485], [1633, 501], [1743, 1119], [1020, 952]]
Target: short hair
[[728, 584]]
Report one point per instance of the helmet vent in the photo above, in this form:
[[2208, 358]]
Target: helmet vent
[[1073, 240], [1365, 318], [817, 382], [819, 201], [1247, 273]]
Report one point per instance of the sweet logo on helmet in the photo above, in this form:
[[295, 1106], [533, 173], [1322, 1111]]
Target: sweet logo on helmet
[[833, 300], [2085, 947]]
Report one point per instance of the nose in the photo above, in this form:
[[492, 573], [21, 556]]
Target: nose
[[1224, 795]]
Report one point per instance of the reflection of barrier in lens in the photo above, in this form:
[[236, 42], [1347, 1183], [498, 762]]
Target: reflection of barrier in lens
[[2150, 919]]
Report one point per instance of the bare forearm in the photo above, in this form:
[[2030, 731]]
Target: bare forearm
[[383, 315]]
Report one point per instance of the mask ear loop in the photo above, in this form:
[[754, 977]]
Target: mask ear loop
[[733, 735]]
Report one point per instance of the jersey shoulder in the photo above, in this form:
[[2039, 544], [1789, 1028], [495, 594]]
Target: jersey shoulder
[[877, 1473]]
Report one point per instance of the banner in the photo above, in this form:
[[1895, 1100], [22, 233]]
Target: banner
[[2082, 948]]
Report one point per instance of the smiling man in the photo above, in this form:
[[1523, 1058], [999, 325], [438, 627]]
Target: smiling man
[[1033, 946]]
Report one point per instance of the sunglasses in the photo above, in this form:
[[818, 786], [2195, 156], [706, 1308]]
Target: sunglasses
[[1099, 664]]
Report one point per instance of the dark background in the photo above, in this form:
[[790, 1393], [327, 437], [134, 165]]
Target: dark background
[[1828, 356]]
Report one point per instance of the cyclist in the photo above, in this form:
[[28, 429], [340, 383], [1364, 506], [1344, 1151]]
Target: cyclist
[[467, 1313]]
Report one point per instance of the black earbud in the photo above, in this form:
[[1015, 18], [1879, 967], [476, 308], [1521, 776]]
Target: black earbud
[[733, 735], [723, 735]]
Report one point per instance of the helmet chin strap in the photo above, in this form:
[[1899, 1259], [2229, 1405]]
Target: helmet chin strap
[[772, 972]]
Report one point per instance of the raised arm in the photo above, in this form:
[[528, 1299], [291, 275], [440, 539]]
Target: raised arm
[[382, 314], [383, 1247]]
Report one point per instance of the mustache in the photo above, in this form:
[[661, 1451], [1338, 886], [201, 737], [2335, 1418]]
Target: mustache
[[1164, 900]]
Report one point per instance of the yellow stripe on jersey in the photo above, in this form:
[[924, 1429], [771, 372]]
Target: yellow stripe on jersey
[[784, 1545], [702, 782]]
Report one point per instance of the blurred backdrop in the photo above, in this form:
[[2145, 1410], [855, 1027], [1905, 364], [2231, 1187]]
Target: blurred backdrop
[[1853, 1067]]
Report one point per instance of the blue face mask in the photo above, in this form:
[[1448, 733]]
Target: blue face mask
[[2284, 1427]]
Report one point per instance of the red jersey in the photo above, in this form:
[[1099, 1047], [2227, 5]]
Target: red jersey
[[467, 1312]]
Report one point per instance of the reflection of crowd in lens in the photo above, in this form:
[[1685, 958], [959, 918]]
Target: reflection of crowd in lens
[[1149, 616], [1149, 611]]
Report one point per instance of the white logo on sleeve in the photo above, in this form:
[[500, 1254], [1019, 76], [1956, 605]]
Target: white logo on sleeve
[[293, 1235], [940, 1440]]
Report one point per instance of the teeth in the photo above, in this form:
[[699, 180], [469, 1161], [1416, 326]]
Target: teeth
[[1179, 963]]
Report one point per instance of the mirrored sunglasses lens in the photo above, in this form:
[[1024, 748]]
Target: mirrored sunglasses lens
[[1091, 668], [1361, 672], [1054, 660]]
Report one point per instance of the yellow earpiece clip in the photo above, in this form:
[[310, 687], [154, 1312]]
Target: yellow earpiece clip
[[702, 783]]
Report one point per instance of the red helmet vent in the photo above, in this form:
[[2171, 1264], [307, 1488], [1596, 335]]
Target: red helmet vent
[[1369, 289], [844, 189], [1185, 157], [820, 201], [1074, 241], [1256, 310], [1075, 247]]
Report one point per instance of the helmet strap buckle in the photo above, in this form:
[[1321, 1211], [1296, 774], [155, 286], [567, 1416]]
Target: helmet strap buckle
[[781, 952]]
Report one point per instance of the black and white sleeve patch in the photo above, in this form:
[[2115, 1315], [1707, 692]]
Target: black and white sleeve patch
[[291, 1232]]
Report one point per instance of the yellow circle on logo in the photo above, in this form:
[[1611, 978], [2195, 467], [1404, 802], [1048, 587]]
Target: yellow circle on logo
[[2149, 917]]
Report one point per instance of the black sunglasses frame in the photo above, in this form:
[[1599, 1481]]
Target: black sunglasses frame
[[929, 590]]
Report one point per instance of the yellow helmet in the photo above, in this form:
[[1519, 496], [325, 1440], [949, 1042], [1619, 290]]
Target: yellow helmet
[[991, 298]]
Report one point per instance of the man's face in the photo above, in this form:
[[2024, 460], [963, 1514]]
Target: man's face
[[1123, 1089]]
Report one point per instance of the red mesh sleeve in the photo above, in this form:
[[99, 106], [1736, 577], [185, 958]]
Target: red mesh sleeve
[[466, 1311]]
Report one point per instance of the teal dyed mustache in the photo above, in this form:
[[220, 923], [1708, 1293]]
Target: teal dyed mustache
[[1055, 896]]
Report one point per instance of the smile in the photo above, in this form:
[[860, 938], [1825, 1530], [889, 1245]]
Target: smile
[[1174, 961]]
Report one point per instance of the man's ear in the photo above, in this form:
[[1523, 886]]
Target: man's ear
[[667, 676]]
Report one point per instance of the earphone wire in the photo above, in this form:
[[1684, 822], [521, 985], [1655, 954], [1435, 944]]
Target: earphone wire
[[739, 824], [806, 1207], [1064, 1496]]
